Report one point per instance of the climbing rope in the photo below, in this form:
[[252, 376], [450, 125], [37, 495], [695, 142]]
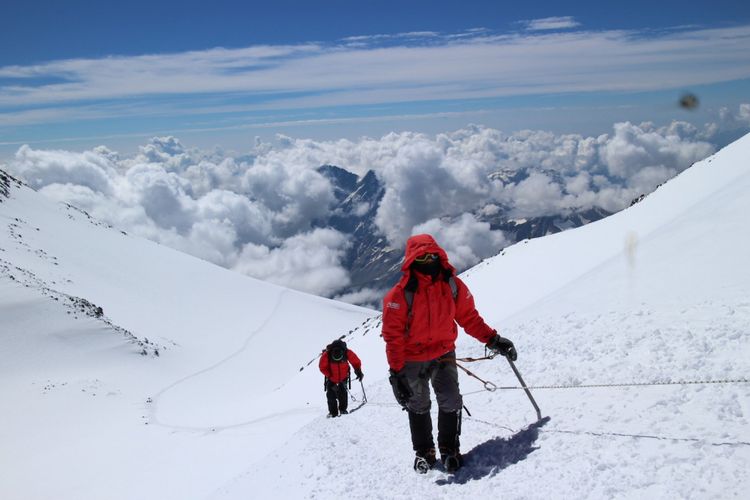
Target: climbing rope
[[622, 384], [491, 387]]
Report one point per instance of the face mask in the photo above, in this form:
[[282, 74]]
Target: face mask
[[431, 268]]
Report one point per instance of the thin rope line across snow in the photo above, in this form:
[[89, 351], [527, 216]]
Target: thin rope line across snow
[[648, 436], [616, 434], [624, 384]]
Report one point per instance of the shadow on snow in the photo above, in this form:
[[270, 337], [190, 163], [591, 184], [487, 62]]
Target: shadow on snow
[[487, 459]]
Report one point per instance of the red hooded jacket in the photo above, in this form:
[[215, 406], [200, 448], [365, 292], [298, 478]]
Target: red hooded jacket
[[430, 331], [338, 371]]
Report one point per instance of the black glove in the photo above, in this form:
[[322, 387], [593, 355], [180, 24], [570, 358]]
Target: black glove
[[401, 390], [501, 345], [359, 374]]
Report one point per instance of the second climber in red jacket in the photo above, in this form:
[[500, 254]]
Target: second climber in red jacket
[[334, 364], [420, 317]]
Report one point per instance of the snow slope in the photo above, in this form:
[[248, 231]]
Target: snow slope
[[86, 415], [646, 300], [658, 294]]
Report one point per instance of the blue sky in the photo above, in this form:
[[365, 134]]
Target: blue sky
[[80, 73]]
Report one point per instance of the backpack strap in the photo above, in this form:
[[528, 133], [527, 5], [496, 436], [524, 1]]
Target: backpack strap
[[411, 288], [454, 288]]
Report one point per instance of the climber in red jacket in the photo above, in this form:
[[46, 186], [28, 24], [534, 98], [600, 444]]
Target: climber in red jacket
[[334, 364], [420, 314]]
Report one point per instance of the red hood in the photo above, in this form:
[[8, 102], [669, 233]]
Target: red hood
[[420, 244]]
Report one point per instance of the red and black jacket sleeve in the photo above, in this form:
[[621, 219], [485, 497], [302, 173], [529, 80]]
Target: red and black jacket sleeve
[[325, 365], [354, 360], [395, 319]]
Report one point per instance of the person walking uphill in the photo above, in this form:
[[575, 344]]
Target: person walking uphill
[[419, 328], [334, 364]]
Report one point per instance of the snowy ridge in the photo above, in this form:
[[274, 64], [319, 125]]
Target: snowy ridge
[[75, 306], [234, 408]]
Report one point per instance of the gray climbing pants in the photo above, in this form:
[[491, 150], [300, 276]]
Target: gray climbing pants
[[442, 374]]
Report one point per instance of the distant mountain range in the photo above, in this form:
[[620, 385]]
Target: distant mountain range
[[373, 263]]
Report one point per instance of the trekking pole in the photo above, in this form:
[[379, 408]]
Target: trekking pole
[[364, 394], [526, 389]]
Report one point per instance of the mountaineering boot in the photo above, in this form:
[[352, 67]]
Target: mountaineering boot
[[344, 412], [420, 425], [425, 460], [452, 459], [449, 430]]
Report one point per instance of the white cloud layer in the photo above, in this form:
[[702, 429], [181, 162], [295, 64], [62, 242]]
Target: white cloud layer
[[258, 213], [308, 261], [466, 240]]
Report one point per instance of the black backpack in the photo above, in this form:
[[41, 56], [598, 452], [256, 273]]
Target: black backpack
[[337, 351]]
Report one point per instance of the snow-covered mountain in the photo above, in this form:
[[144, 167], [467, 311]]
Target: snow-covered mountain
[[370, 259], [633, 333], [118, 355]]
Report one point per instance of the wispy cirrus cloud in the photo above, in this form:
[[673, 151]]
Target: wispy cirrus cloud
[[391, 36], [551, 23], [404, 70]]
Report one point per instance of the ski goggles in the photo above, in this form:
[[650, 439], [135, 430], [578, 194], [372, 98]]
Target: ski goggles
[[425, 258]]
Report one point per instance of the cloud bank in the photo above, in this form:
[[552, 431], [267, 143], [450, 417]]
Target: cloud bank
[[258, 213]]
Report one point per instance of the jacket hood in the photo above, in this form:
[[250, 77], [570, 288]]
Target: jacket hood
[[336, 344], [420, 244]]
